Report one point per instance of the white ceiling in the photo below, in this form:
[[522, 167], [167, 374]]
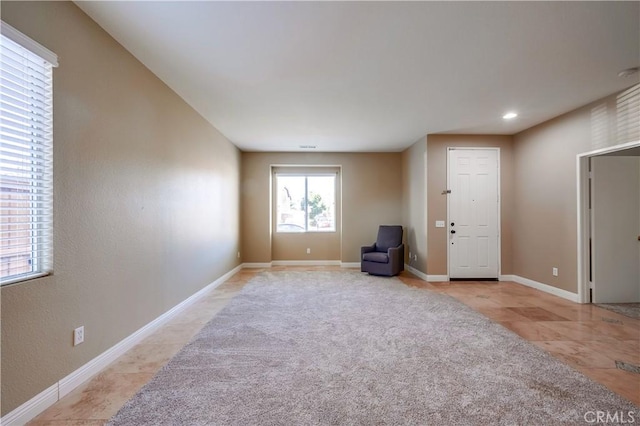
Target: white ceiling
[[377, 76]]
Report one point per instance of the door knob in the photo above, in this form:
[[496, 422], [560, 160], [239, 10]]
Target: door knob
[[453, 231]]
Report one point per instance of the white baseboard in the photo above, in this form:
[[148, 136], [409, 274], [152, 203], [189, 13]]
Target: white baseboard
[[306, 263], [36, 405], [507, 278], [416, 272], [52, 394], [437, 278], [546, 288], [251, 265], [94, 366]]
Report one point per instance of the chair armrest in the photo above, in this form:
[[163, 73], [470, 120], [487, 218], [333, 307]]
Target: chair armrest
[[396, 254], [367, 249]]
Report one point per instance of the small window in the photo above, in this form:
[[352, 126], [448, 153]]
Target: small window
[[306, 203], [26, 187]]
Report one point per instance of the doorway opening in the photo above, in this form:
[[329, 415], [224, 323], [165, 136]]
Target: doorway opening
[[608, 183]]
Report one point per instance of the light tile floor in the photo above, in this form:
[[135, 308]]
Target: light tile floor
[[588, 338]]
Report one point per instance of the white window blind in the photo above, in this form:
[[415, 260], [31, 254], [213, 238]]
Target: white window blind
[[628, 115], [26, 168]]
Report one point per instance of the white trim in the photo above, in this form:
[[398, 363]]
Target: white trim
[[426, 203], [583, 224], [250, 265], [507, 278], [447, 230], [306, 263], [437, 278], [416, 272], [52, 394], [96, 365], [36, 405], [273, 194], [305, 166], [610, 149], [28, 43], [546, 288]]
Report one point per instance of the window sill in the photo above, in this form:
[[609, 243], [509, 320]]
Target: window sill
[[23, 278]]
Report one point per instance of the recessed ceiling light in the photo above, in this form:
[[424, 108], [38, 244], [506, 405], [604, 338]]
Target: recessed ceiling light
[[628, 72], [510, 115]]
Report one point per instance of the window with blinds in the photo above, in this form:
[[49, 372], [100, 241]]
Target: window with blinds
[[26, 168]]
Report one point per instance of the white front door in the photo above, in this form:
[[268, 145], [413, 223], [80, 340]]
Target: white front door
[[615, 204], [473, 213]]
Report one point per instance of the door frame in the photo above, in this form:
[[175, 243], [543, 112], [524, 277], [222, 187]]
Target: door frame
[[448, 226], [584, 218]]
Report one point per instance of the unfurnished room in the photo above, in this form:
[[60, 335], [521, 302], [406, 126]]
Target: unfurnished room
[[319, 213]]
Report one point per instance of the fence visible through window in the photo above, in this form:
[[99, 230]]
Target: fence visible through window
[[26, 151]]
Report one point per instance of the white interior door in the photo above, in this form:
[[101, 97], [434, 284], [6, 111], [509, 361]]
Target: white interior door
[[473, 213], [615, 210]]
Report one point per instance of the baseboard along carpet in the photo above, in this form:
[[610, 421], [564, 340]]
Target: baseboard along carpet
[[307, 348]]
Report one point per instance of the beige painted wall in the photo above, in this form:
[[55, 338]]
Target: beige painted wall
[[545, 199], [371, 194], [414, 203], [437, 203], [146, 208], [293, 246], [545, 193]]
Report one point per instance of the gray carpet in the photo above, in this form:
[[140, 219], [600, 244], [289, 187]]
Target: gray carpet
[[307, 348], [631, 310]]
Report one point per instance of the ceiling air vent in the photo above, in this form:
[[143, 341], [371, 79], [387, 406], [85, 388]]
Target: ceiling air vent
[[308, 146]]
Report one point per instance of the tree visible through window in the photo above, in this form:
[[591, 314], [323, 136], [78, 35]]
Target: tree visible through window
[[306, 203]]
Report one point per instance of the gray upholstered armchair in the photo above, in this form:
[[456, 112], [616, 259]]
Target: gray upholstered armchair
[[386, 255]]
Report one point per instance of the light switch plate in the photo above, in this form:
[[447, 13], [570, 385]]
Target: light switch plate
[[439, 223]]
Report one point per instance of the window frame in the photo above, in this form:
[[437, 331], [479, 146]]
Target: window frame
[[282, 172], [26, 155]]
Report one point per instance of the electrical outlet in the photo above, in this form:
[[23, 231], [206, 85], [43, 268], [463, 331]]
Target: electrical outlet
[[238, 255], [78, 336], [415, 257], [410, 256], [554, 271], [308, 251]]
